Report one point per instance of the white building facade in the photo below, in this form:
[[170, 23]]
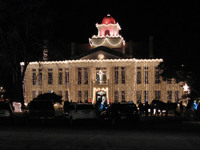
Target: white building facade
[[102, 74]]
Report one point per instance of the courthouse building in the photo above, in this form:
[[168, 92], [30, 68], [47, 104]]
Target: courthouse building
[[105, 72]]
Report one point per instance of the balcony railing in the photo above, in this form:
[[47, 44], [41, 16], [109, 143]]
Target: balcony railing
[[104, 82]]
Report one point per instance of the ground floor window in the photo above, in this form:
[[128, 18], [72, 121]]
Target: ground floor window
[[138, 96], [116, 96], [79, 96], [123, 96], [157, 95], [169, 96]]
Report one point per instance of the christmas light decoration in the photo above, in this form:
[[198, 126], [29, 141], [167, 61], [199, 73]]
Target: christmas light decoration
[[93, 60]]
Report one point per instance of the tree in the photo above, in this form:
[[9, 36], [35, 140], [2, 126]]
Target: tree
[[182, 72], [54, 98], [21, 37]]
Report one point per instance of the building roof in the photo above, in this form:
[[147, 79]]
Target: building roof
[[108, 20], [107, 52]]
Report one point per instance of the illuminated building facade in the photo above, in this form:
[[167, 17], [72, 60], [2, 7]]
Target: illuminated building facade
[[104, 73]]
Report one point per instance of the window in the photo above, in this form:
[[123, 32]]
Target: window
[[101, 75], [116, 96], [146, 96], [67, 95], [34, 76], [33, 94], [39, 92], [50, 76], [176, 96], [123, 96], [79, 75], [79, 96], [157, 76], [116, 75], [66, 75], [157, 95], [123, 74], [146, 76], [86, 96], [169, 96], [138, 96], [60, 93], [169, 81], [85, 75], [138, 75], [40, 77], [60, 75]]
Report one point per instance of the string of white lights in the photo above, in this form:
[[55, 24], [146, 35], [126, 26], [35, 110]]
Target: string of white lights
[[106, 25], [104, 42], [94, 60]]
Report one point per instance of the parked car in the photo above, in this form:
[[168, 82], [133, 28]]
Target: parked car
[[81, 111], [119, 112], [42, 109], [6, 110]]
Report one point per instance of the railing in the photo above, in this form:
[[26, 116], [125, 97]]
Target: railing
[[105, 82]]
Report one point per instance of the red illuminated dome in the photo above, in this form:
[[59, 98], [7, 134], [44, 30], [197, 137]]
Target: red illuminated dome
[[108, 20]]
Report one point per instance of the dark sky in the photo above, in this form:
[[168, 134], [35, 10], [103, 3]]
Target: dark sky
[[173, 25]]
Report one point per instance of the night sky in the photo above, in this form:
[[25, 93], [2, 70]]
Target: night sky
[[173, 25]]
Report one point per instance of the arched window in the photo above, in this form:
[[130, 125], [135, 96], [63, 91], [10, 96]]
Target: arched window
[[107, 32]]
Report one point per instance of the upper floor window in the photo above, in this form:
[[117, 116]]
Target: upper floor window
[[50, 76], [157, 76], [79, 75], [116, 74], [85, 75], [66, 75], [169, 81], [146, 75], [101, 75], [138, 75], [123, 75], [40, 77], [34, 76], [60, 76]]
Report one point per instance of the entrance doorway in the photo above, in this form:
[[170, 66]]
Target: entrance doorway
[[101, 101], [100, 97]]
